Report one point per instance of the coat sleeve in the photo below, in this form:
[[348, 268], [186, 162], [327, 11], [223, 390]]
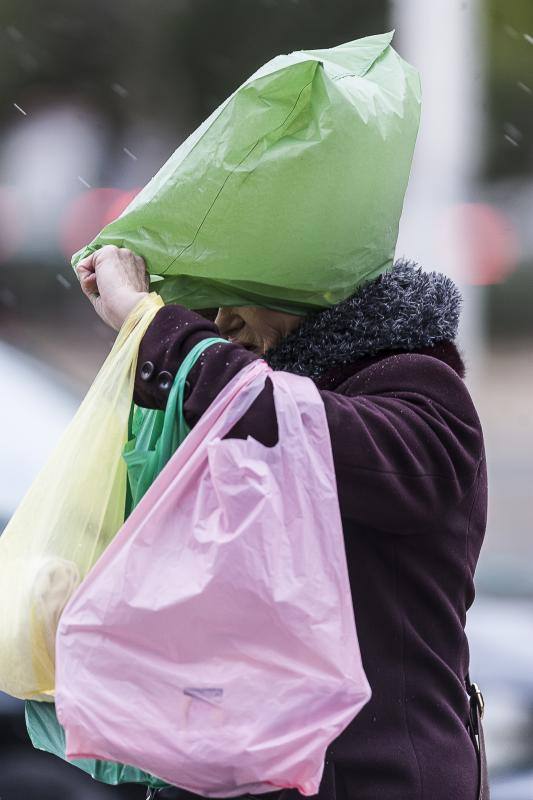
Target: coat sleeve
[[405, 438], [173, 332]]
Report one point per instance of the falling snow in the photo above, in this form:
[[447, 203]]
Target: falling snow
[[63, 281], [525, 87], [512, 134], [528, 38], [129, 153], [14, 33], [20, 109], [85, 183], [512, 32], [119, 89]]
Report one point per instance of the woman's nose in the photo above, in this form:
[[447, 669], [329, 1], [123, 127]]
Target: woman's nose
[[228, 322]]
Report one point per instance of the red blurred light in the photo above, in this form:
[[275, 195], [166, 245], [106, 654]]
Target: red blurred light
[[89, 213], [120, 204], [488, 239]]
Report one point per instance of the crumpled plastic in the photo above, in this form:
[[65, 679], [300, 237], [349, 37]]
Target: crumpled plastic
[[154, 436], [289, 195], [47, 734], [214, 642], [69, 515]]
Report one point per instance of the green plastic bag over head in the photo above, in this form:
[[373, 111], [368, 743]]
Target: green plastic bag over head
[[289, 195]]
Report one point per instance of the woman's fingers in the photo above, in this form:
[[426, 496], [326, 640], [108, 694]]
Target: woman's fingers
[[113, 279], [86, 264], [88, 283], [85, 270], [118, 268]]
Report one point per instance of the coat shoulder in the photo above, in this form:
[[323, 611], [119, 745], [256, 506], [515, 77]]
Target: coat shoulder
[[420, 379]]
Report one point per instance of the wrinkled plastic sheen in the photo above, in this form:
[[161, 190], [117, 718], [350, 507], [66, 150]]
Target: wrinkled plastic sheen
[[47, 734], [69, 515], [290, 194], [219, 621], [155, 436]]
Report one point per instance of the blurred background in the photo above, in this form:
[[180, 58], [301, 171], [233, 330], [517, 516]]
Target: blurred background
[[95, 97]]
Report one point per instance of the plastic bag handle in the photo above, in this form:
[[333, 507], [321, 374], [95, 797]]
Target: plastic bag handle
[[175, 428], [162, 430]]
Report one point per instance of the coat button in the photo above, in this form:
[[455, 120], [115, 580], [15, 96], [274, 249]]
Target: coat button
[[165, 380], [147, 370]]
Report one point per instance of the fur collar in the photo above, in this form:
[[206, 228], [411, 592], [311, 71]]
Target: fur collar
[[405, 309]]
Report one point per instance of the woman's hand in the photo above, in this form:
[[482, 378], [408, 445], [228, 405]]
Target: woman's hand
[[114, 279]]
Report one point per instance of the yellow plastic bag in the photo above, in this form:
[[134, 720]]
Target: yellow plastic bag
[[67, 518]]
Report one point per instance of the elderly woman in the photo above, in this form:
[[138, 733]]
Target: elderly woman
[[412, 488]]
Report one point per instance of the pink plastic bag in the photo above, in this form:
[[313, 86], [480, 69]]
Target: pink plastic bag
[[214, 642]]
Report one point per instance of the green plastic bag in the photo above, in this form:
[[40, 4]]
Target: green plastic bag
[[47, 734], [289, 195], [155, 436]]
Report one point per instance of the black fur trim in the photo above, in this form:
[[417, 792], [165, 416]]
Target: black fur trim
[[404, 309]]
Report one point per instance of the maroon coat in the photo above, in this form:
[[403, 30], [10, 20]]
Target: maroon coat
[[410, 468]]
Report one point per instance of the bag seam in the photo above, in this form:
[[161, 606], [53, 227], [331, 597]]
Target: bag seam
[[176, 258]]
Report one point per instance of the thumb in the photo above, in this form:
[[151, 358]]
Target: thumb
[[87, 277], [89, 284]]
